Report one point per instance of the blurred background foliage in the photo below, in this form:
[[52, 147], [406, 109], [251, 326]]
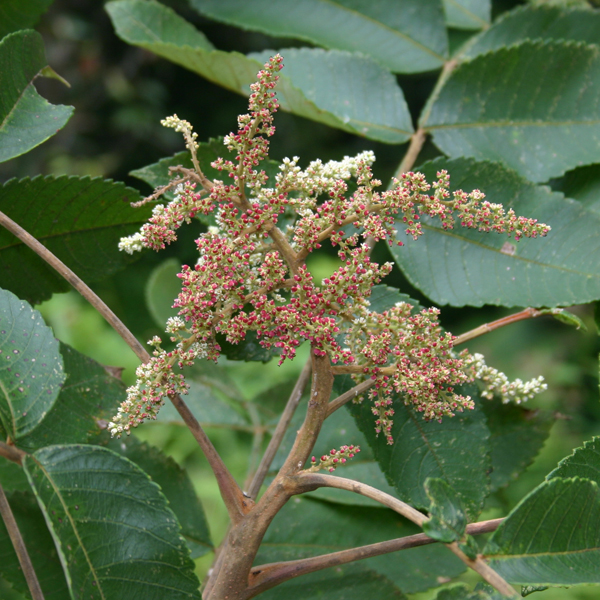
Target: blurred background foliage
[[120, 93]]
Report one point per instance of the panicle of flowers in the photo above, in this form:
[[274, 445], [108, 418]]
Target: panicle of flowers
[[411, 196], [408, 355], [251, 273], [334, 459], [496, 382], [156, 380]]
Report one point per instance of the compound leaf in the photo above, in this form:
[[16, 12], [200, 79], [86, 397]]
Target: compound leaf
[[343, 90]]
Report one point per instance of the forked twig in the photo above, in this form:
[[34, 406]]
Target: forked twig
[[232, 495]]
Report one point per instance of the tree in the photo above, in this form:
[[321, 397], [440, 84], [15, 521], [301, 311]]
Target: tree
[[436, 429]]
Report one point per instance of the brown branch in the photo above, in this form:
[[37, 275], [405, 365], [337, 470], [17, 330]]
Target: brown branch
[[414, 148], [77, 283], [313, 481], [280, 430], [264, 577], [12, 453], [316, 480], [352, 393], [20, 549], [480, 566], [231, 492], [236, 503], [239, 550], [528, 313]]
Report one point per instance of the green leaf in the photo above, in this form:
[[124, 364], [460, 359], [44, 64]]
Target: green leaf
[[209, 410], [464, 267], [87, 401], [583, 185], [12, 477], [539, 22], [516, 436], [306, 528], [364, 96], [26, 119], [406, 37], [455, 450], [552, 537], [342, 90], [177, 487], [566, 317], [16, 14], [535, 107], [468, 14], [32, 371], [40, 546], [114, 532], [79, 219], [584, 463], [162, 289], [447, 521]]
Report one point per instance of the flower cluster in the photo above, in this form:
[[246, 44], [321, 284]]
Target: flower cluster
[[334, 459], [496, 382], [252, 276]]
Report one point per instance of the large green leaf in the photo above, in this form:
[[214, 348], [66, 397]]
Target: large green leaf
[[538, 22], [583, 185], [468, 14], [177, 487], [516, 436], [16, 14], [31, 371], [584, 463], [40, 547], [79, 219], [464, 267], [114, 532], [552, 537], [305, 528], [535, 107], [26, 119], [343, 90], [405, 37], [87, 401], [455, 450], [351, 87]]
